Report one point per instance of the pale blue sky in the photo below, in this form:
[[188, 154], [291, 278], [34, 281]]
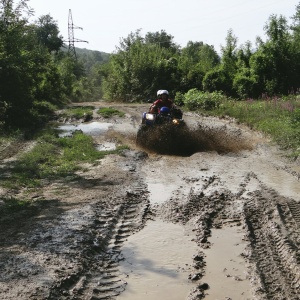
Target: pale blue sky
[[104, 22]]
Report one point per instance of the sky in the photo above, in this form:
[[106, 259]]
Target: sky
[[105, 22]]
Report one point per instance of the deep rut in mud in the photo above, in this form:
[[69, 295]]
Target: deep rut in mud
[[70, 244]]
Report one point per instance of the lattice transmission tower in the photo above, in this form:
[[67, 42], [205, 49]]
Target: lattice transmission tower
[[72, 40]]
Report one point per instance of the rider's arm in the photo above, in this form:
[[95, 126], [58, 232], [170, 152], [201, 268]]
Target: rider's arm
[[154, 108]]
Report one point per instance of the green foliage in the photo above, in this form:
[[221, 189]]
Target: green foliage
[[217, 80], [295, 117], [140, 68], [245, 84], [179, 99], [12, 204], [277, 117], [41, 112], [108, 112], [28, 72], [195, 99], [85, 112], [195, 61], [53, 158], [48, 34]]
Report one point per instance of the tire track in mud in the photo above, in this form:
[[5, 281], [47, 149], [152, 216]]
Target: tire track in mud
[[271, 224], [100, 277], [207, 208]]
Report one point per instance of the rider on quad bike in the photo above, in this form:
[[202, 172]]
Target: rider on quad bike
[[164, 101]]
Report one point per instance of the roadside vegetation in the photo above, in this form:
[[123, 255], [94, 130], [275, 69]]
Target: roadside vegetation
[[107, 112], [53, 158], [78, 113]]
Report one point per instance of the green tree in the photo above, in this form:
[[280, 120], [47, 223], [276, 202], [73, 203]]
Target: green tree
[[48, 34], [138, 69], [195, 61], [245, 82], [273, 62], [162, 39], [221, 77], [30, 83]]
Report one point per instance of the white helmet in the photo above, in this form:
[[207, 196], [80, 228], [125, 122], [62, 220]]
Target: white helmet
[[158, 92], [164, 92]]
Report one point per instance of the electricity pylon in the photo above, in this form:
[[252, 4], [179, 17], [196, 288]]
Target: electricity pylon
[[72, 39]]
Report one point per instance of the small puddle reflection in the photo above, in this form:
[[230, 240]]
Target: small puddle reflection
[[93, 128], [157, 263], [226, 273]]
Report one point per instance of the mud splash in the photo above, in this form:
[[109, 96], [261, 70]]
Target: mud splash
[[185, 141]]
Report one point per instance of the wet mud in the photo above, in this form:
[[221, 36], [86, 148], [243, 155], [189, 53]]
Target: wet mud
[[211, 212]]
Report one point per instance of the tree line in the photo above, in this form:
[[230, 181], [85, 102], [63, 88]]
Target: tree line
[[141, 65], [37, 75]]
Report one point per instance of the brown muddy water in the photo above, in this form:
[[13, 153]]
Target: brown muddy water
[[157, 262]]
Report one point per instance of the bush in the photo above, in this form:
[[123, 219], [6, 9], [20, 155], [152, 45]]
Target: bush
[[179, 98], [195, 99], [40, 113]]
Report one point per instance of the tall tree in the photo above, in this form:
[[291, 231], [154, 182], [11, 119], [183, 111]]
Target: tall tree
[[139, 68], [221, 77], [29, 79], [48, 33], [195, 60], [162, 39], [272, 62]]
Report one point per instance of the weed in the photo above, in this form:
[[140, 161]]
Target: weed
[[78, 112], [107, 112], [12, 204], [52, 158], [277, 117]]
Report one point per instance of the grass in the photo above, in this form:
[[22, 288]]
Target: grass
[[78, 112], [12, 204], [108, 112], [277, 117], [52, 158]]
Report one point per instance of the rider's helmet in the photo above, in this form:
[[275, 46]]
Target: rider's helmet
[[164, 92], [158, 93], [164, 110]]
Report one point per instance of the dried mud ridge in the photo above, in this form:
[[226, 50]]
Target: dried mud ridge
[[59, 250]]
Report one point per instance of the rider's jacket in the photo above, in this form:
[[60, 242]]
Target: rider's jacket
[[158, 104]]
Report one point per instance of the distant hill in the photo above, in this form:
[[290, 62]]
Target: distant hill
[[99, 56], [89, 58], [83, 52]]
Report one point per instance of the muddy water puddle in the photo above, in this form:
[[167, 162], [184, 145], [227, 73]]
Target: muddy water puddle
[[157, 263], [226, 272], [93, 128], [160, 192]]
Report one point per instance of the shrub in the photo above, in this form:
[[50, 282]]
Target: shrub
[[179, 98], [195, 99]]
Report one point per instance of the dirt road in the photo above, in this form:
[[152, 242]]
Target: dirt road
[[219, 219]]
